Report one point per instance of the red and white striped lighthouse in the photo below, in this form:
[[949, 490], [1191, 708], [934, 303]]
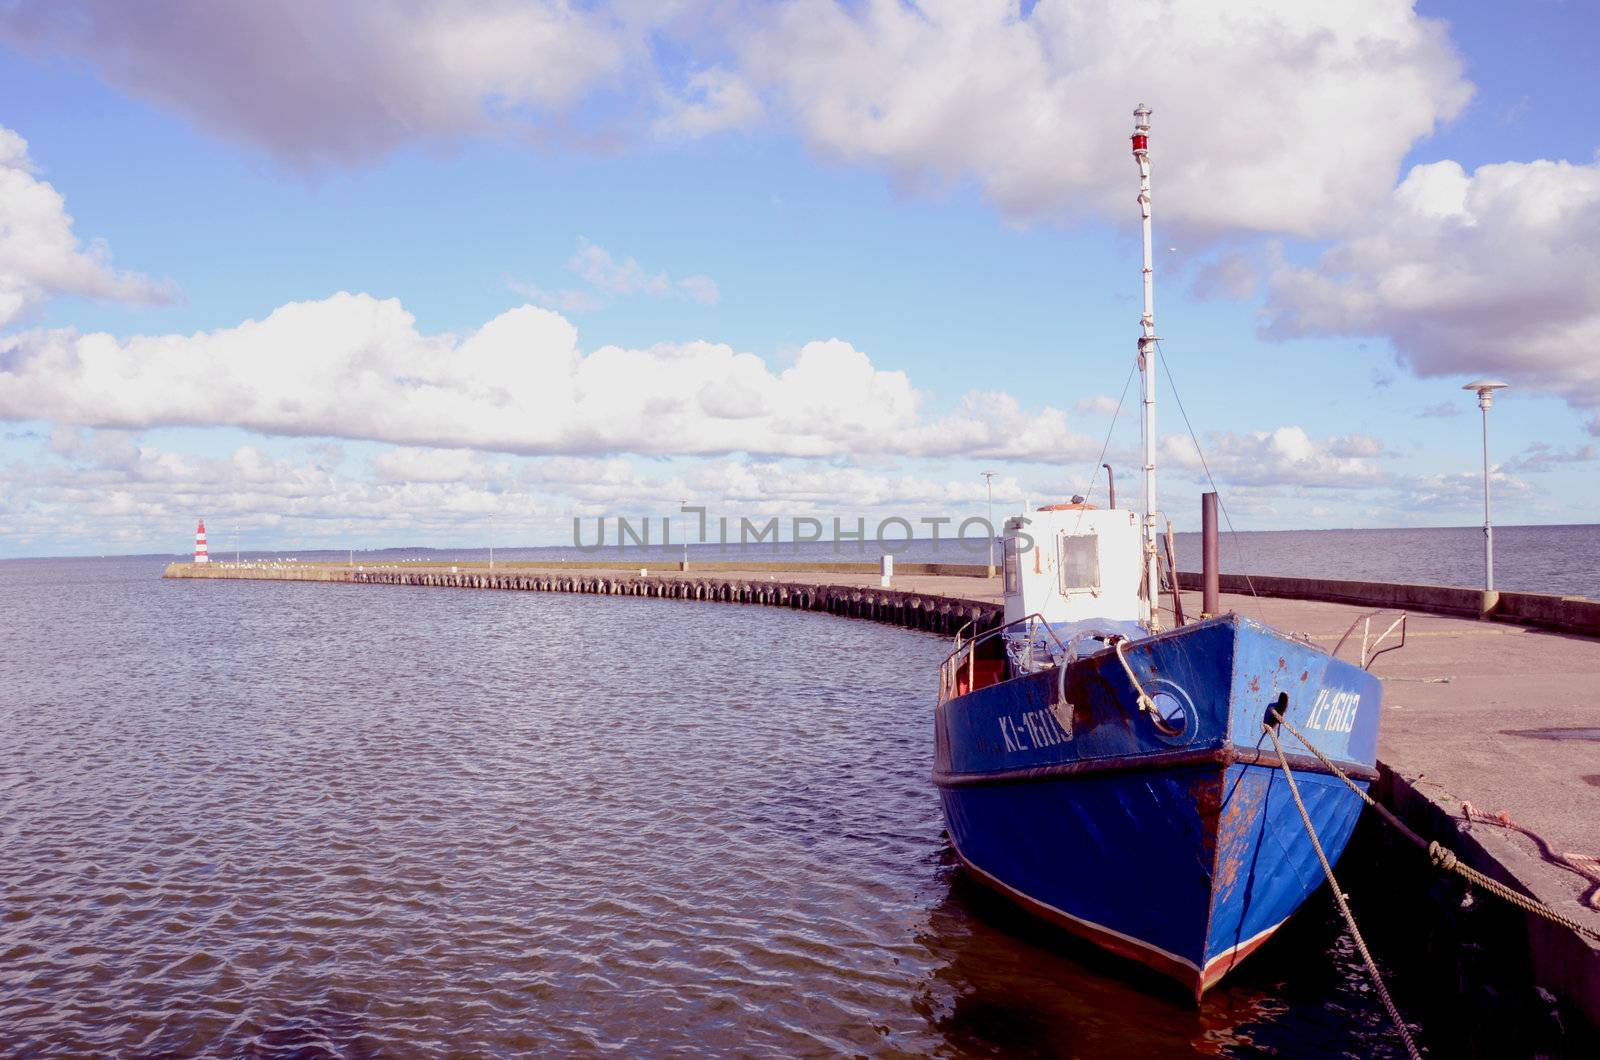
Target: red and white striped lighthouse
[[200, 544]]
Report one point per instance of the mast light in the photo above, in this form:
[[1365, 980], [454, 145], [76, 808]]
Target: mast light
[[1141, 130]]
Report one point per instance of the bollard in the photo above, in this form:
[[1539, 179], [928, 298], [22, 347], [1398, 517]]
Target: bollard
[[1209, 575]]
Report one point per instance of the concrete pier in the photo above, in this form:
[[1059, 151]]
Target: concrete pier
[[1499, 714]]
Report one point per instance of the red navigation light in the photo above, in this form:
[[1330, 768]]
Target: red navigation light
[[1141, 142]]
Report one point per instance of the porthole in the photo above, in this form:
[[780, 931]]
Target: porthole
[[1171, 714]]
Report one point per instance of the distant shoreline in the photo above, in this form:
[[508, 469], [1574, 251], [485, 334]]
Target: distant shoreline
[[918, 544]]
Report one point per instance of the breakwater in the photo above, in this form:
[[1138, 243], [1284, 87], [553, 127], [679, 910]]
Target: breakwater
[[931, 612], [965, 596]]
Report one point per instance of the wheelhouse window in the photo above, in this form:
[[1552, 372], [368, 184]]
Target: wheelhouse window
[[1080, 562]]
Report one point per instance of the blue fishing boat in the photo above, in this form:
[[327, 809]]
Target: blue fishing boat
[[1116, 777]]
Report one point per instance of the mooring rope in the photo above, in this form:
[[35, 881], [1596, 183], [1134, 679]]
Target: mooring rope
[[1344, 906], [1570, 860], [1146, 704], [1441, 856]]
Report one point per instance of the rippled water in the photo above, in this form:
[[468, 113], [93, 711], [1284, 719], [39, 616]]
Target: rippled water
[[275, 819]]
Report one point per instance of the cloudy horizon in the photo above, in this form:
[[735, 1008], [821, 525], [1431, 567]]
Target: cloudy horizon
[[378, 275]]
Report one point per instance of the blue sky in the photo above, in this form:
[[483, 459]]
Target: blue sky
[[914, 205]]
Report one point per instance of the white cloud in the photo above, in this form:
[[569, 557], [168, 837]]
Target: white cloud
[[1280, 457], [104, 490], [1230, 275], [712, 100], [565, 300], [1493, 272], [595, 265], [353, 366], [625, 276], [1354, 445], [702, 289], [1464, 490], [1284, 476], [108, 489], [810, 488], [119, 492], [1098, 405], [1542, 456], [343, 83], [40, 257], [1270, 117], [1276, 117], [993, 424], [411, 464], [611, 277]]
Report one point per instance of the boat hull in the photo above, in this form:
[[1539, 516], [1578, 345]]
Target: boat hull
[[1184, 852]]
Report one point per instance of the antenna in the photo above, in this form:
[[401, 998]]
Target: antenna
[[1147, 363]]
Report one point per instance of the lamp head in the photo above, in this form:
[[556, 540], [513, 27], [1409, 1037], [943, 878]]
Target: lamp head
[[1485, 389], [1141, 134]]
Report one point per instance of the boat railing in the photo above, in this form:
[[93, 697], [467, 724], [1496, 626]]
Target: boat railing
[[1369, 644], [966, 650]]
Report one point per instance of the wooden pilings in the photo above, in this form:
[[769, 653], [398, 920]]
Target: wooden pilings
[[935, 614]]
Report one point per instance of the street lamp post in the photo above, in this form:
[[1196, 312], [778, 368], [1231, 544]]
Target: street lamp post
[[1485, 389], [684, 508], [988, 482], [351, 542], [491, 541]]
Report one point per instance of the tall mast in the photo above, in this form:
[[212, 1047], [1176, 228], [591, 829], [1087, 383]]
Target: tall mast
[[1147, 365]]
